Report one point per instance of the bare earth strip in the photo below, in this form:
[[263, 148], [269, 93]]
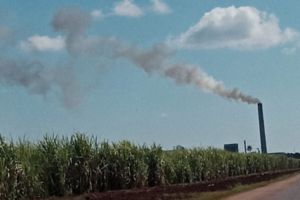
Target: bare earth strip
[[291, 193], [288, 189]]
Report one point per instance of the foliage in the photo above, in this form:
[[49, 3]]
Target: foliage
[[59, 166]]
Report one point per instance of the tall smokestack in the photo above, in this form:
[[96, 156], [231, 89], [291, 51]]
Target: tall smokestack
[[262, 128]]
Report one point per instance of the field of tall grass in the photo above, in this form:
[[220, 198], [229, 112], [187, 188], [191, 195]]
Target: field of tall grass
[[61, 165]]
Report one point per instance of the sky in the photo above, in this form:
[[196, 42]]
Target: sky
[[152, 71]]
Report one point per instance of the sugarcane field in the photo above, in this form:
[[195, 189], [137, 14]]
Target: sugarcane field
[[66, 166]]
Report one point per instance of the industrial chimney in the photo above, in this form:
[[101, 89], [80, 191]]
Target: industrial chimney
[[262, 128]]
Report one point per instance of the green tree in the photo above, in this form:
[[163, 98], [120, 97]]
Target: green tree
[[249, 148]]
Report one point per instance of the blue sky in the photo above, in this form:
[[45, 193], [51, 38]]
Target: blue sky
[[151, 71]]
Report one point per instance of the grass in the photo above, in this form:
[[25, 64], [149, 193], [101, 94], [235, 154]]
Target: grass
[[235, 190]]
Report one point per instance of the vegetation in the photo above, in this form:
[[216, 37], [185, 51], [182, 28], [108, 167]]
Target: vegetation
[[58, 166], [249, 148]]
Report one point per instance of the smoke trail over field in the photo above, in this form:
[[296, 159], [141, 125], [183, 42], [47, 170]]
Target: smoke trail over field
[[72, 23], [154, 60], [183, 73]]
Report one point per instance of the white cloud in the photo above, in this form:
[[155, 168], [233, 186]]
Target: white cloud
[[43, 43], [128, 8], [242, 28], [160, 7], [97, 14]]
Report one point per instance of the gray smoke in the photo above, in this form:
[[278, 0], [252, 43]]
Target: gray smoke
[[155, 60], [65, 78], [30, 75], [72, 21], [150, 60], [186, 74], [39, 80]]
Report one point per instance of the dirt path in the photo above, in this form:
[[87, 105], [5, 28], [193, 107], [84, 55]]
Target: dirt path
[[288, 189], [182, 191]]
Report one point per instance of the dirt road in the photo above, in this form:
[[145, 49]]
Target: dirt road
[[170, 192], [288, 189]]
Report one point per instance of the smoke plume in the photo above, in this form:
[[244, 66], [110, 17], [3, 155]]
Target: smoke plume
[[152, 60], [73, 22], [187, 74], [155, 60], [39, 78]]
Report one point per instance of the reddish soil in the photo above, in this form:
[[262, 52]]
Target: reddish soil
[[182, 191]]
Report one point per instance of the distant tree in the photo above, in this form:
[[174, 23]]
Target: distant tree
[[249, 148]]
